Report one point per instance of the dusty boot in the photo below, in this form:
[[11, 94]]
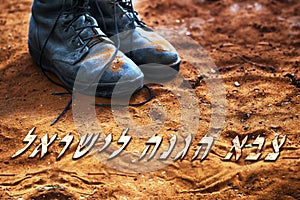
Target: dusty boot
[[152, 53], [64, 38]]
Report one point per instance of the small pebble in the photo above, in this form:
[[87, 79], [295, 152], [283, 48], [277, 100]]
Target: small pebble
[[281, 18], [237, 84], [213, 71], [211, 20]]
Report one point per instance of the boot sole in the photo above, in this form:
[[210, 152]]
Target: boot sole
[[159, 72], [103, 89]]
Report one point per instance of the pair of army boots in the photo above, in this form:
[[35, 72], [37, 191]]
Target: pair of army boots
[[103, 40]]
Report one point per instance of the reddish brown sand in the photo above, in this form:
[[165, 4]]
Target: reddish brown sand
[[265, 103]]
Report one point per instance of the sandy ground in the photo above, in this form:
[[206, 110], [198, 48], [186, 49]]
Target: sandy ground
[[266, 103]]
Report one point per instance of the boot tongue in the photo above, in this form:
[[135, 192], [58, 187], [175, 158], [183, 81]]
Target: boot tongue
[[86, 21], [88, 32], [124, 17]]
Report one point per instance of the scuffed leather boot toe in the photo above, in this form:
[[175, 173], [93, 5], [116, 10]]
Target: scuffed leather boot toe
[[156, 57]]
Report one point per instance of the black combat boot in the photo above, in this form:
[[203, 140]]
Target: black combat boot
[[152, 53], [64, 38]]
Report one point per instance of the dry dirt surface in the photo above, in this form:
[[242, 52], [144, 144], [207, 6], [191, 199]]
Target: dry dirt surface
[[256, 48]]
